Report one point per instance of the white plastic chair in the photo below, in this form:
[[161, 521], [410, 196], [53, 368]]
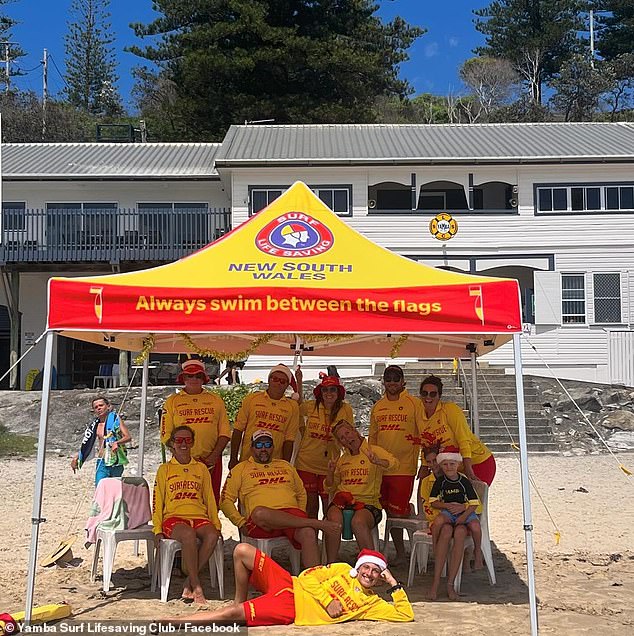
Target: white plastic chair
[[422, 544], [104, 377], [115, 375], [411, 525], [110, 540], [167, 550]]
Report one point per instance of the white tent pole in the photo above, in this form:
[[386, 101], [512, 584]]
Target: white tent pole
[[144, 382], [526, 493], [36, 515], [474, 395]]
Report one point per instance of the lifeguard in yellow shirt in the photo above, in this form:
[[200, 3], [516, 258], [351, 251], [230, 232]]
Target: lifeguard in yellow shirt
[[323, 595], [446, 425], [270, 411], [355, 481], [185, 509], [273, 500], [318, 446], [395, 425], [204, 412]]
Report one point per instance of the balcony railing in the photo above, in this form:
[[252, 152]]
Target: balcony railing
[[71, 235]]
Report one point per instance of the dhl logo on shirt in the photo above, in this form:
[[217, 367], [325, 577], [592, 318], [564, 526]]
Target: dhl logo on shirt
[[196, 420], [390, 427], [270, 481], [271, 426], [322, 436], [353, 481]]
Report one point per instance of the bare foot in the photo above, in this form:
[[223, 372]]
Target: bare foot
[[199, 596], [451, 592], [188, 592], [478, 564], [330, 527], [433, 593], [466, 567]]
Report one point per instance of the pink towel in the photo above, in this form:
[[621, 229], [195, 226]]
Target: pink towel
[[118, 504]]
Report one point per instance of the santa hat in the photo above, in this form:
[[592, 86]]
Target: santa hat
[[449, 454], [330, 380], [368, 556], [282, 368]]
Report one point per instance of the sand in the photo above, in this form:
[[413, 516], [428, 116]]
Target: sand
[[584, 585]]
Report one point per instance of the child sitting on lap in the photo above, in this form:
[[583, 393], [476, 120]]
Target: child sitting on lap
[[455, 497]]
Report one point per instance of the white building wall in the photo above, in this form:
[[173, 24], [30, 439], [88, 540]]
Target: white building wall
[[578, 243]]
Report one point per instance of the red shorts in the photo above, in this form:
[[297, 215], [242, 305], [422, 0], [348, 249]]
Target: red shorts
[[486, 470], [276, 606], [256, 532], [313, 482], [170, 522], [396, 491], [216, 479]]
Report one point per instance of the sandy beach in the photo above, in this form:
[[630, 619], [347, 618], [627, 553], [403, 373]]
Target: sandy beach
[[585, 584]]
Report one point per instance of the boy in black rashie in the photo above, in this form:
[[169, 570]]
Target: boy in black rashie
[[455, 497]]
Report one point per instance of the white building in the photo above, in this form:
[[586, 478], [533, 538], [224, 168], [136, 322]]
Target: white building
[[549, 204]]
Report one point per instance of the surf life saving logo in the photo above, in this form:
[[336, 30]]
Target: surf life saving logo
[[294, 235]]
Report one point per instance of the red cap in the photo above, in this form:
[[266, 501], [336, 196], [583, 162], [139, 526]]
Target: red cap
[[330, 380]]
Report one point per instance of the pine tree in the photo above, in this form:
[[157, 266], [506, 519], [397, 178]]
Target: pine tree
[[90, 60], [537, 36], [6, 24], [288, 60], [615, 27]]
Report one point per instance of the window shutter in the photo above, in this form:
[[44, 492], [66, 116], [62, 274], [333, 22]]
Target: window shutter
[[547, 298]]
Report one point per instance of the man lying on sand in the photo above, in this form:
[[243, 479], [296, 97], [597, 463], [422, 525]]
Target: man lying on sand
[[322, 595]]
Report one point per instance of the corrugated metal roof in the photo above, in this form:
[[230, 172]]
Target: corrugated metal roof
[[109, 161], [426, 143]]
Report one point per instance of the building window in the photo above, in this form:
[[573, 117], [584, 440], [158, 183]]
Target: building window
[[261, 197], [180, 224], [337, 197], [607, 298], [589, 198], [573, 299], [67, 223], [13, 216]]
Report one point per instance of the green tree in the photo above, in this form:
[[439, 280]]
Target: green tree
[[619, 98], [615, 27], [537, 36], [6, 24], [287, 60], [90, 59], [579, 86]]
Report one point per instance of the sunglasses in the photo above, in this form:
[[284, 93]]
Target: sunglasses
[[278, 379], [392, 378], [199, 376], [431, 394], [329, 389], [260, 445], [183, 440]]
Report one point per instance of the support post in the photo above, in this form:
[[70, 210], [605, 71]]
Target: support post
[[14, 321], [144, 383], [524, 477], [36, 515], [474, 394]]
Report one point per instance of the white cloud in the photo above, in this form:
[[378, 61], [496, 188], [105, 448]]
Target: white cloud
[[453, 41], [431, 49]]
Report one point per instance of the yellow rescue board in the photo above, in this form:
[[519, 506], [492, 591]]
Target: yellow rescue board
[[53, 612]]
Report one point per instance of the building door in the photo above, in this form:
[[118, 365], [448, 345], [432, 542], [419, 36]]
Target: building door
[[621, 357]]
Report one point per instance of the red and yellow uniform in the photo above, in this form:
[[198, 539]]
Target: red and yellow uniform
[[275, 485], [318, 445], [395, 425], [204, 413], [304, 599], [278, 417], [357, 475], [183, 491], [426, 485], [448, 427]]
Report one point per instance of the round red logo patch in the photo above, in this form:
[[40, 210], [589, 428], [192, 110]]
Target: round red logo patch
[[294, 235]]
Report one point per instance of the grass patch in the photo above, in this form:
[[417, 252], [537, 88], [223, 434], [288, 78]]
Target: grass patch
[[13, 444]]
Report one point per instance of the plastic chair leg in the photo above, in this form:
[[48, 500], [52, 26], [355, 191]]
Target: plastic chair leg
[[412, 562], [95, 561], [149, 547], [488, 559], [109, 551], [295, 556], [165, 566]]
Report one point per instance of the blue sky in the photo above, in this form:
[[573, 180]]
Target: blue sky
[[435, 57]]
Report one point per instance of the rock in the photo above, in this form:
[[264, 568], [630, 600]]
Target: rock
[[585, 403], [620, 420], [621, 441]]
